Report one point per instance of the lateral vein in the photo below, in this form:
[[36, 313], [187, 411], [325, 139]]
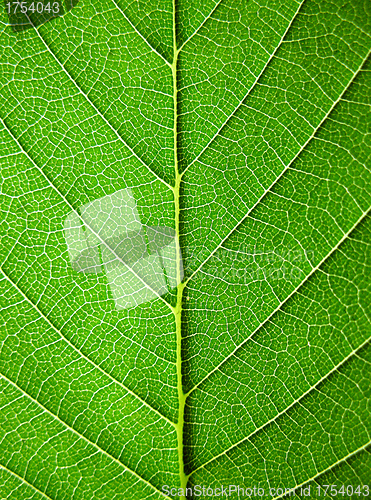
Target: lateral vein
[[103, 242], [76, 349], [81, 436], [201, 25], [283, 412], [344, 459], [269, 189], [314, 269], [99, 113], [23, 480], [248, 92]]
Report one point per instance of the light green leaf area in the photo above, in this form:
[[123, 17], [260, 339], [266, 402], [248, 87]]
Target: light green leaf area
[[243, 126]]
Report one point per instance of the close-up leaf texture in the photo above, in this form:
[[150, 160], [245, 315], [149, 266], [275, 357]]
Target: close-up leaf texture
[[242, 127]]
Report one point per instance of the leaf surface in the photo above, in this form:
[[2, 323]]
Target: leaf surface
[[242, 127]]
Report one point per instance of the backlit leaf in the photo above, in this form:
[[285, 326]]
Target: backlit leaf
[[185, 257]]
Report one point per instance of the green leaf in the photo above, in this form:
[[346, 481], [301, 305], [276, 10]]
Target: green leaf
[[229, 140]]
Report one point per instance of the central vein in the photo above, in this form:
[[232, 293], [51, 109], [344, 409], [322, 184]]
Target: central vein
[[178, 308]]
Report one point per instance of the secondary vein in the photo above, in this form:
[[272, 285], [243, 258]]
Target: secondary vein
[[99, 113], [81, 436], [76, 349]]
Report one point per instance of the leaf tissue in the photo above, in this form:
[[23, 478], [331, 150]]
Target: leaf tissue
[[185, 250]]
